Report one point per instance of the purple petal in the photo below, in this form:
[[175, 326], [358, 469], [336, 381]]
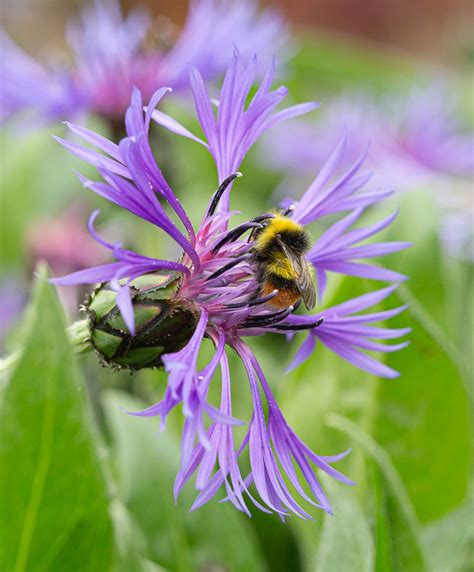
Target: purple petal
[[94, 158], [103, 273], [361, 302], [172, 125], [360, 201], [340, 327], [378, 249], [203, 106], [363, 271], [336, 230], [97, 140], [154, 101], [358, 359], [321, 282], [124, 304], [325, 174], [290, 113]]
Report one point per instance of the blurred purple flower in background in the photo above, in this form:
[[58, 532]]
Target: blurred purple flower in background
[[428, 131], [63, 242], [26, 85], [219, 279], [416, 141], [65, 246], [111, 58], [419, 132], [303, 146], [457, 218]]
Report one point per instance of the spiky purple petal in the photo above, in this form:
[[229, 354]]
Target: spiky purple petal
[[346, 334], [237, 126]]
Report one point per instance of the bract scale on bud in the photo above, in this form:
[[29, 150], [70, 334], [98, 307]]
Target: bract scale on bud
[[163, 322]]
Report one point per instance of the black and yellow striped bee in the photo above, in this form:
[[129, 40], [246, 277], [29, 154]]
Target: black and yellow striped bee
[[279, 247], [279, 250]]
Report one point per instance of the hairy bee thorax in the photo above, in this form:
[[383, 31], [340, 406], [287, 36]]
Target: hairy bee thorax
[[163, 322], [284, 229]]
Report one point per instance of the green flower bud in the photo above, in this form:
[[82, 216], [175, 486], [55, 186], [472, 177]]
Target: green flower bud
[[163, 323]]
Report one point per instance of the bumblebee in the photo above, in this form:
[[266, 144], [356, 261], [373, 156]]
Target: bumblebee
[[279, 247], [279, 251]]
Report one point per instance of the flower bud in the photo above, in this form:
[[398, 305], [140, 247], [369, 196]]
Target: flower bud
[[163, 323]]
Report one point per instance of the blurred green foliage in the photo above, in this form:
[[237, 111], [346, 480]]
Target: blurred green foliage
[[54, 498], [84, 486]]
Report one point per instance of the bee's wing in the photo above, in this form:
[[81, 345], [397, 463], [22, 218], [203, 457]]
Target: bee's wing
[[305, 283], [304, 277]]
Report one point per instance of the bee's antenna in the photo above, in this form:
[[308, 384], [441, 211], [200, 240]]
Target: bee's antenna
[[220, 191], [289, 210], [238, 231], [230, 265], [235, 233]]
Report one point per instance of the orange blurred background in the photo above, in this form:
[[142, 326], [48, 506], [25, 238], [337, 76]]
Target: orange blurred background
[[434, 29]]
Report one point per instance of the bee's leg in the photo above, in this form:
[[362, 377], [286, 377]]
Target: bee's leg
[[253, 301], [238, 231], [299, 327], [268, 319], [235, 233], [220, 191], [229, 265]]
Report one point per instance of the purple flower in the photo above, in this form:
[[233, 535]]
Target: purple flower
[[219, 278], [111, 58], [26, 86], [346, 334], [429, 133], [416, 136]]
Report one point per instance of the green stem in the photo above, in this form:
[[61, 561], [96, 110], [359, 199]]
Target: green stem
[[382, 459]]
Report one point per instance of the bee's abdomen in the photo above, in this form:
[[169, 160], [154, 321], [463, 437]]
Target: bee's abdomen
[[287, 295]]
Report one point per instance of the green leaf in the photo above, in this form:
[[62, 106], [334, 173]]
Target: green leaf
[[149, 566], [346, 541], [422, 418], [128, 539], [146, 464], [397, 530], [54, 511], [447, 542]]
